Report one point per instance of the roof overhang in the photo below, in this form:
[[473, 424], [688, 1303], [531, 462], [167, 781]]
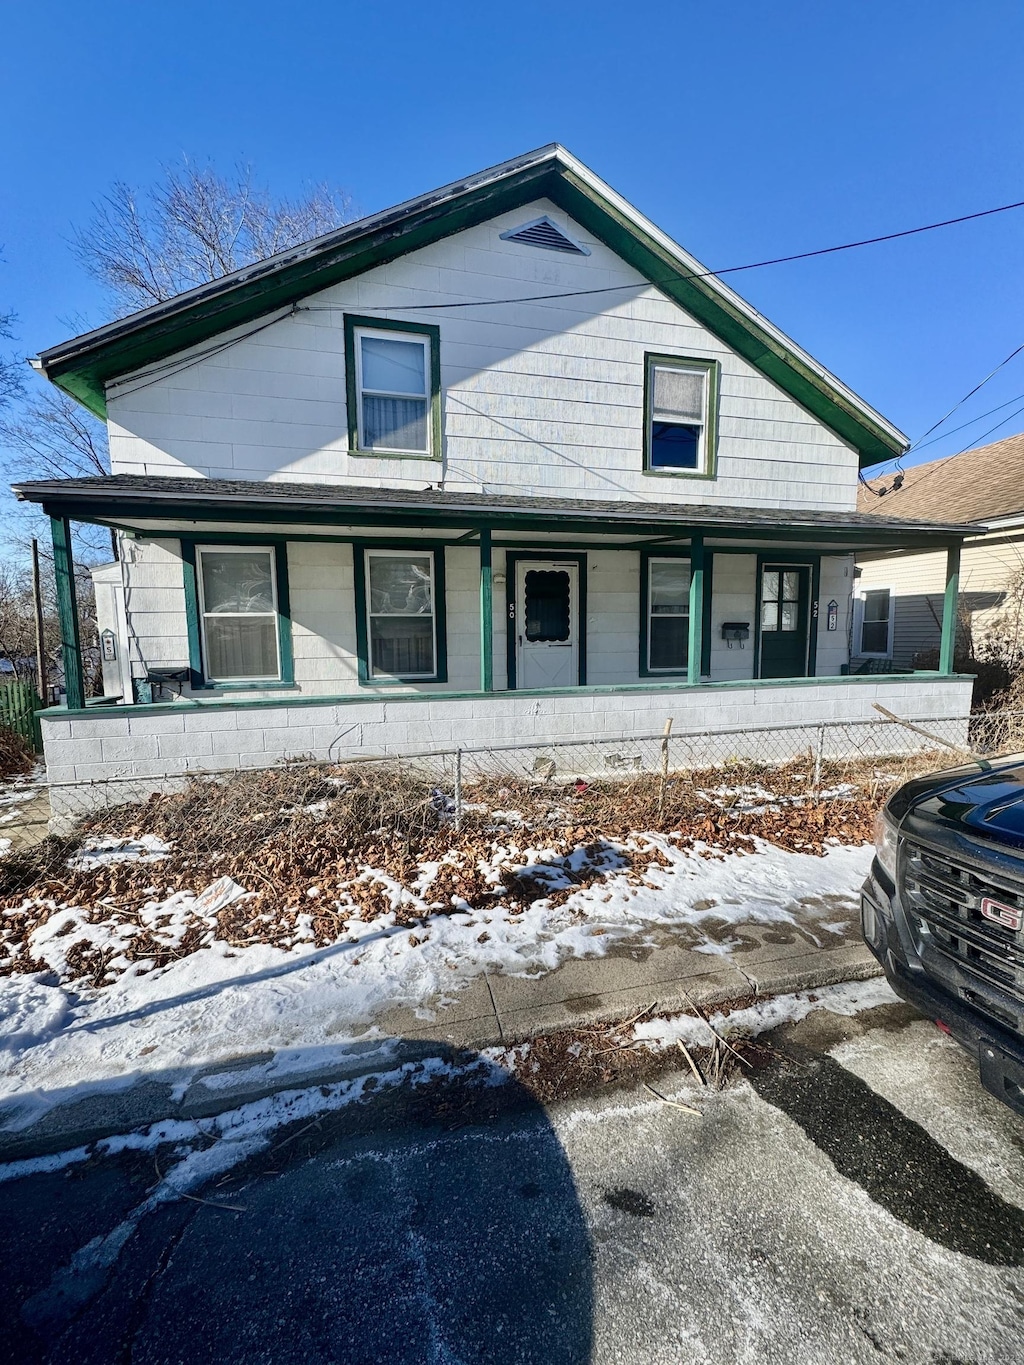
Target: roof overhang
[[150, 504], [85, 365]]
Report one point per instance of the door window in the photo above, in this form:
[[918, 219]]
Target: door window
[[780, 600], [547, 605]]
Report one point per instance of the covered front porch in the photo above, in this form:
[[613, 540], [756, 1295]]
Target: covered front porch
[[233, 591]]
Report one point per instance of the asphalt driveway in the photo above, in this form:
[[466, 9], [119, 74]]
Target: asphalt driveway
[[858, 1199]]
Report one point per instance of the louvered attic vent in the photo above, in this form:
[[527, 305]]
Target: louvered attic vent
[[543, 232]]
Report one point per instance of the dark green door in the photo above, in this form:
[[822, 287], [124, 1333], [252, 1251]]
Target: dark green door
[[785, 601]]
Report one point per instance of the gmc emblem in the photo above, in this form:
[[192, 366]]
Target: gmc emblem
[[1004, 915]]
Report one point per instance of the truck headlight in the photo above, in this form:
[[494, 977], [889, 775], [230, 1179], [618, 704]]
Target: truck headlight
[[886, 839]]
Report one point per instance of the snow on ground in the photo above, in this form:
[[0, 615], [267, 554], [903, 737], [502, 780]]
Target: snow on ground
[[15, 794], [100, 850], [220, 1003], [849, 997]]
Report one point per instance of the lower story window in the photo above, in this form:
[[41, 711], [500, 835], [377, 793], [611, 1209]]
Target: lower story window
[[668, 615], [401, 614], [875, 622], [239, 613]]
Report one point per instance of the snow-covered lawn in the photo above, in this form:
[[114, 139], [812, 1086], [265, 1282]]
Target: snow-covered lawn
[[217, 1001]]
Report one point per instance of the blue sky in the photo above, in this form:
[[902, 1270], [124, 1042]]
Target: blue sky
[[744, 130]]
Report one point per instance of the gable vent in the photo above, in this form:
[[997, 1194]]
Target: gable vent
[[543, 232]]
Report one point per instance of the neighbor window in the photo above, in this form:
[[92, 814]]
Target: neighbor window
[[668, 615], [875, 622], [238, 612], [401, 614], [393, 389], [680, 415]]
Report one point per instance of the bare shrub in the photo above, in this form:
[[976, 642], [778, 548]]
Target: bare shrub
[[16, 754]]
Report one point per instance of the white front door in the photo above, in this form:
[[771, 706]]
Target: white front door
[[546, 623]]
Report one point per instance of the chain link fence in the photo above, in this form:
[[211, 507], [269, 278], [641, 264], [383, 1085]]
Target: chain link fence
[[823, 761]]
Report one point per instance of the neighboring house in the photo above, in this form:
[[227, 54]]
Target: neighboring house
[[500, 464], [899, 597]]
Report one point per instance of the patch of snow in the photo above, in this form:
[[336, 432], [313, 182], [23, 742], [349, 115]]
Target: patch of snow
[[103, 849], [30, 1012], [848, 998]]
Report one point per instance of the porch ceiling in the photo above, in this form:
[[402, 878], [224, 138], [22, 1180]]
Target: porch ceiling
[[157, 503]]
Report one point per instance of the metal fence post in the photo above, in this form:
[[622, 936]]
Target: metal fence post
[[458, 789], [819, 750]]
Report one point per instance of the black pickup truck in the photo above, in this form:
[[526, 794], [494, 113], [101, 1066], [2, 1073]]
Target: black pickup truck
[[943, 910]]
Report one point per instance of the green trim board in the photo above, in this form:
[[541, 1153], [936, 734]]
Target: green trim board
[[186, 704], [950, 610], [67, 611], [813, 562], [695, 653], [190, 582], [359, 582], [84, 366], [486, 614], [512, 558], [713, 370], [353, 322]]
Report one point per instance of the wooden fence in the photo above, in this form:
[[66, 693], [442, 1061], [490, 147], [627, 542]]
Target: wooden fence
[[18, 703]]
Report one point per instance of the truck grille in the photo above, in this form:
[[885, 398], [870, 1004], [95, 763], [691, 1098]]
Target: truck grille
[[942, 898]]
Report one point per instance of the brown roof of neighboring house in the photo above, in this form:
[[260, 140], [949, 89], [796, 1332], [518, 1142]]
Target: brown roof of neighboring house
[[978, 485]]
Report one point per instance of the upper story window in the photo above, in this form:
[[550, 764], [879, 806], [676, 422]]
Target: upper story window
[[680, 413], [393, 388], [238, 612]]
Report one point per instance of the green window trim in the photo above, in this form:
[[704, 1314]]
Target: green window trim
[[190, 576], [354, 323], [713, 370], [360, 579], [766, 559]]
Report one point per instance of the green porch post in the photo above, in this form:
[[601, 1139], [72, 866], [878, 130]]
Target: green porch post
[[67, 612], [486, 613], [696, 609], [950, 603]]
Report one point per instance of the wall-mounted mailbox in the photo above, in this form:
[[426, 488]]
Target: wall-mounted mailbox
[[735, 632]]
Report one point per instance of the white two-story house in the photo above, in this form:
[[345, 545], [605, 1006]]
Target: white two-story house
[[503, 463]]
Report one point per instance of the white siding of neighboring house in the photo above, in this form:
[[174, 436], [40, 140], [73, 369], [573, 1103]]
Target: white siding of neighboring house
[[918, 582], [542, 399]]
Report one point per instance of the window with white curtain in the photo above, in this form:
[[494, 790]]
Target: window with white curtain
[[401, 614], [393, 385], [680, 399], [238, 613]]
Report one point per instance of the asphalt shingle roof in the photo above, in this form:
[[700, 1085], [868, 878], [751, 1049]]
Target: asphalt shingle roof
[[980, 485], [149, 495]]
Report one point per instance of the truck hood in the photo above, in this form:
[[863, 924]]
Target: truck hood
[[981, 799]]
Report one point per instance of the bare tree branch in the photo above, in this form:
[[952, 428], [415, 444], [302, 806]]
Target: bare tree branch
[[194, 226]]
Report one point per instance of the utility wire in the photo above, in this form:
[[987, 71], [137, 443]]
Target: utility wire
[[697, 274], [155, 373]]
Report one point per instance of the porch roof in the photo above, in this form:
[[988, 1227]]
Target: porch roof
[[136, 501]]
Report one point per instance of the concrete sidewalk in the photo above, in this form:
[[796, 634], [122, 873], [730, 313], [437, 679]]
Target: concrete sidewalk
[[769, 960], [670, 978]]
